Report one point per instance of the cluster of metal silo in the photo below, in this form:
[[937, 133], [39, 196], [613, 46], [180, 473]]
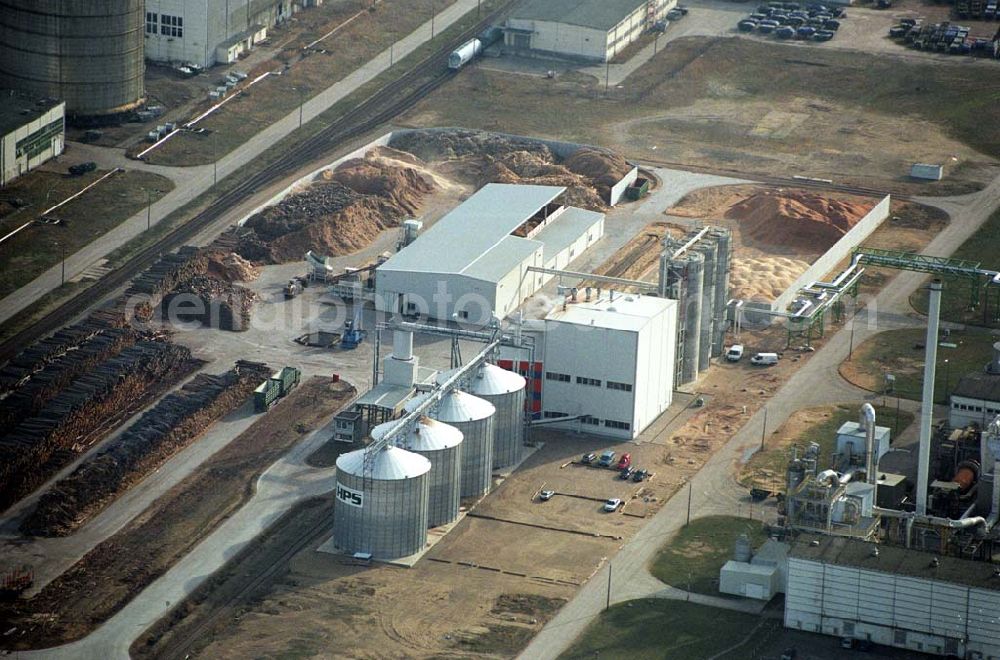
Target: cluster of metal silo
[[382, 510], [88, 53], [694, 270], [474, 418], [441, 444], [506, 391]]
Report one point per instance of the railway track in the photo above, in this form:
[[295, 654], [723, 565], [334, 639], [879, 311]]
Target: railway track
[[382, 106]]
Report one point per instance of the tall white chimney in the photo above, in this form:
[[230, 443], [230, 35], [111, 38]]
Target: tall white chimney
[[927, 401]]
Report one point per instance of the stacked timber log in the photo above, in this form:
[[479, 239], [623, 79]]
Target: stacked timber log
[[172, 424], [41, 444], [214, 303], [167, 273]]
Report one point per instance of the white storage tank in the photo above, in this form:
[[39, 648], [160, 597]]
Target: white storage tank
[[506, 390], [474, 418], [386, 514], [441, 444]]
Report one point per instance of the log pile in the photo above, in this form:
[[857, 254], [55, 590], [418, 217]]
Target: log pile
[[171, 270], [41, 444], [172, 424], [211, 302]]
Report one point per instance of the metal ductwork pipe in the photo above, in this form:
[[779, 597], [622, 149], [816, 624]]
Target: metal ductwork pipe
[[991, 440], [927, 401], [867, 422], [402, 345]]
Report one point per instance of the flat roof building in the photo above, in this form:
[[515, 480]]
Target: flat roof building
[[473, 263], [581, 29], [976, 397], [32, 131]]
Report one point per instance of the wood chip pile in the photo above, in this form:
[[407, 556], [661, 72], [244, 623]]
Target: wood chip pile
[[171, 425]]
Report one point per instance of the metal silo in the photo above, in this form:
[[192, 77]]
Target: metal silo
[[385, 513], [474, 418], [723, 265], [506, 391], [439, 443], [88, 53], [708, 249]]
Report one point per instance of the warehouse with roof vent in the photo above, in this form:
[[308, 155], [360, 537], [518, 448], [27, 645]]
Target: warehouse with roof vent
[[581, 29]]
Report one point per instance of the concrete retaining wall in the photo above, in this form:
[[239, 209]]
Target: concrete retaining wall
[[841, 249]]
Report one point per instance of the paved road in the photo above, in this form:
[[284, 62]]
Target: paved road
[[817, 382], [192, 182]]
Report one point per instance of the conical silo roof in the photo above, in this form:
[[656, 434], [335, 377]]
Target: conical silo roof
[[389, 463], [457, 406], [426, 435], [490, 380]]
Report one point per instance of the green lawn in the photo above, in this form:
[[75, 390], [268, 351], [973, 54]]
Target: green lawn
[[895, 352], [767, 468], [984, 247], [653, 628], [692, 559]]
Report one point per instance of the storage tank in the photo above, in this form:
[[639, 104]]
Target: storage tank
[[474, 418], [464, 53], [441, 445], [88, 53], [386, 513], [506, 391]]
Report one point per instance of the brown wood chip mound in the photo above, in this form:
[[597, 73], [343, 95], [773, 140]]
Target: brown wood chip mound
[[796, 219]]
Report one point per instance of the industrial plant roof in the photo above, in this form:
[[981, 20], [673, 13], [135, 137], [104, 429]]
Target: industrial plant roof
[[597, 14], [562, 231], [19, 108], [474, 239], [979, 386], [628, 312], [844, 551]]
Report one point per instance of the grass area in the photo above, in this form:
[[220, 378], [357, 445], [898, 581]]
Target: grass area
[[371, 30], [767, 468], [691, 560], [88, 217], [714, 101], [653, 628], [901, 353], [982, 247]]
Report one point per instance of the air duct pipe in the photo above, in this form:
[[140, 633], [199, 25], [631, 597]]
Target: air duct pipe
[[991, 439], [867, 422], [927, 401]]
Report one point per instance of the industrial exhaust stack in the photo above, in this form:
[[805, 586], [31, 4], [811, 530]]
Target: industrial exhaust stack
[[927, 401], [867, 422]]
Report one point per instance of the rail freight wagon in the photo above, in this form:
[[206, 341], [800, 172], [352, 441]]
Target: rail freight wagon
[[275, 387], [464, 53]]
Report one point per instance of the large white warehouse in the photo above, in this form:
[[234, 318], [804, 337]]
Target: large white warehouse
[[893, 596], [473, 263], [584, 29], [608, 363]]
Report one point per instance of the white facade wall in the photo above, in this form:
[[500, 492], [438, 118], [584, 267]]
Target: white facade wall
[[929, 616], [41, 139], [562, 259], [966, 410], [563, 39]]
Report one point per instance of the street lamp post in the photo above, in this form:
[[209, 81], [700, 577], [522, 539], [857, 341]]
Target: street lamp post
[[947, 376], [149, 208]]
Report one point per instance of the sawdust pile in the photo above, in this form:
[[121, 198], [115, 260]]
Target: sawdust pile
[[764, 278], [478, 158], [796, 219], [232, 267], [341, 212]]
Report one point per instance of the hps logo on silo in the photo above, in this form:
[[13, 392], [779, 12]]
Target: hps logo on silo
[[350, 496]]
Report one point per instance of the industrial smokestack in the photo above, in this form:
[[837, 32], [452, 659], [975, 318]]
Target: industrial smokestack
[[927, 401], [402, 345], [867, 422]]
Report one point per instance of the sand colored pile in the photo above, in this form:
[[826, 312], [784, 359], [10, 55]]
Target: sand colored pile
[[796, 219], [232, 267], [764, 278], [603, 168], [341, 212]]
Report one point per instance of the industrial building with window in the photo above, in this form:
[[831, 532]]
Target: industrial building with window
[[206, 33], [32, 131], [474, 262], [976, 398], [581, 29]]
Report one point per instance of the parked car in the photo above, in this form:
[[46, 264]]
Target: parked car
[[546, 495], [747, 25], [831, 24], [823, 35], [766, 27], [640, 475], [607, 458], [612, 505], [625, 461], [735, 353], [785, 32], [588, 458], [626, 473], [676, 14], [764, 359], [805, 32]]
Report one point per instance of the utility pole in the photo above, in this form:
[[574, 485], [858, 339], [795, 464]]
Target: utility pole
[[763, 430], [850, 348], [215, 157], [607, 77], [690, 488], [149, 207], [433, 11], [607, 603], [301, 104], [62, 252]]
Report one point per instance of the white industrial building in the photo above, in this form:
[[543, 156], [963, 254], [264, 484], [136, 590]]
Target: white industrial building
[[31, 132], [976, 398], [759, 575], [206, 32], [893, 596], [608, 363], [474, 262], [581, 29]]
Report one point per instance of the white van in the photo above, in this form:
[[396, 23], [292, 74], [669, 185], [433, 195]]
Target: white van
[[735, 353], [764, 359]]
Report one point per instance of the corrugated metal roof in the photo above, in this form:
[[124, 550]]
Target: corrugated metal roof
[[626, 312], [466, 235], [390, 464], [501, 259], [979, 386], [597, 14], [569, 226]]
